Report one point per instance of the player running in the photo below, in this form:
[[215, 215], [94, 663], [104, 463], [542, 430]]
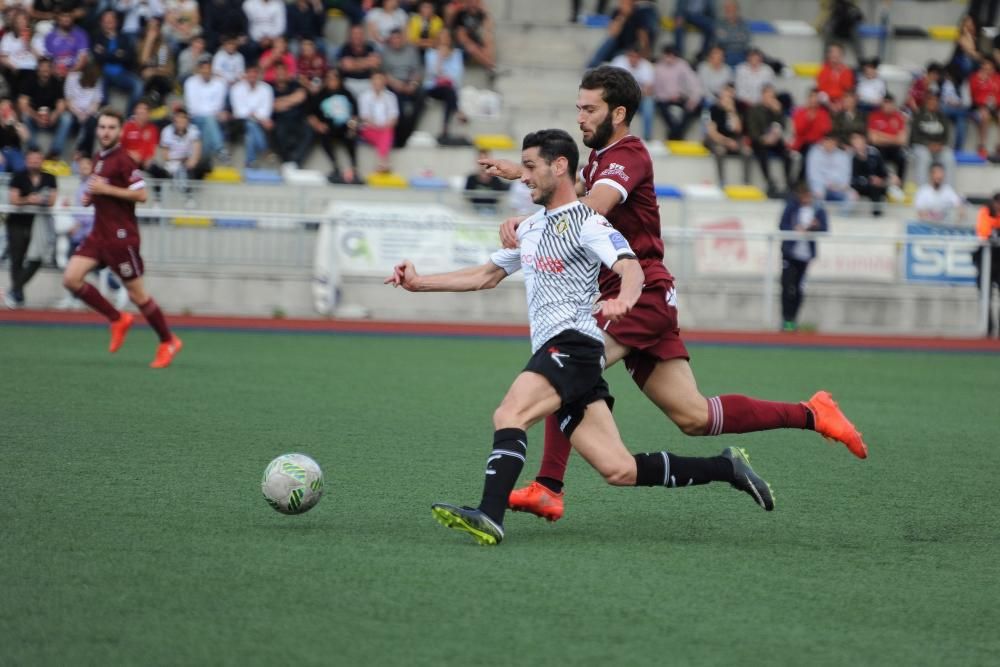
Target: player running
[[561, 252], [114, 188], [618, 182]]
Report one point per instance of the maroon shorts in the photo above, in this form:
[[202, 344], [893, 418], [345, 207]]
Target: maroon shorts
[[121, 256], [650, 330]]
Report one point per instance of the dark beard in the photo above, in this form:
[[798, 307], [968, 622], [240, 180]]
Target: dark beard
[[601, 134]]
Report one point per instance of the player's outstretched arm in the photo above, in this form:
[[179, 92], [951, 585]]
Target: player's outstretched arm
[[632, 279], [505, 169], [484, 276]]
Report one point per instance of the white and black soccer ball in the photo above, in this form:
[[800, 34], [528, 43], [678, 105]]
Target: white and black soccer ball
[[292, 483]]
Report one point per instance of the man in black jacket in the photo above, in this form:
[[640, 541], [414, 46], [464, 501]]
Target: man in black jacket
[[869, 175]]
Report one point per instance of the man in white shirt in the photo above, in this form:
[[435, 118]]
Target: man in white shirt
[[751, 77], [379, 111], [228, 63], [205, 99], [642, 71], [828, 171], [936, 201], [266, 20], [252, 102]]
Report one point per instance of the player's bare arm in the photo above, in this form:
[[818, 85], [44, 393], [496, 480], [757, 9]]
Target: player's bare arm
[[632, 278], [506, 169], [474, 278], [602, 198], [100, 186]]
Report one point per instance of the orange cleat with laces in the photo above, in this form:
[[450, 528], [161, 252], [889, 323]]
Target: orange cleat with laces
[[119, 329], [166, 352], [833, 424], [539, 500]]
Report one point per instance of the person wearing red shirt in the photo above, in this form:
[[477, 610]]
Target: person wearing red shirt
[[811, 123], [887, 132], [140, 137], [984, 88], [835, 78], [311, 64], [277, 53], [929, 83]]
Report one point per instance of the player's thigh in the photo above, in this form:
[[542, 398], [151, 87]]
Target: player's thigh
[[673, 388], [530, 399], [599, 443], [613, 350], [77, 269]]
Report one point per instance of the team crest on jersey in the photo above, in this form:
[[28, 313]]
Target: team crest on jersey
[[125, 270], [99, 166], [615, 169], [562, 225]]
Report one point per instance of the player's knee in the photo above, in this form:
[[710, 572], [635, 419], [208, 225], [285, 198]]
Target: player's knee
[[692, 422], [620, 474], [507, 416], [72, 283]]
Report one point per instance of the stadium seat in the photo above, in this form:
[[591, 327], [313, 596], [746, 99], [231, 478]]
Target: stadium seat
[[943, 33], [57, 168], [762, 27], [871, 30], [494, 142], [334, 13], [295, 176], [687, 148], [191, 221], [794, 28], [968, 157], [745, 193], [235, 223], [807, 70], [704, 192], [390, 180], [668, 192], [221, 174], [596, 20], [891, 73], [428, 183], [261, 176], [667, 22]]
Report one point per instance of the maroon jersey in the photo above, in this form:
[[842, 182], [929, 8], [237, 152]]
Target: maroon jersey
[[626, 166], [114, 218]]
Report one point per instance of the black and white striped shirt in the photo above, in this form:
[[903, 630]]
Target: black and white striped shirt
[[561, 253]]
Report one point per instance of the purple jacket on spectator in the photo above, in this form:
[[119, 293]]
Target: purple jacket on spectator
[[65, 48]]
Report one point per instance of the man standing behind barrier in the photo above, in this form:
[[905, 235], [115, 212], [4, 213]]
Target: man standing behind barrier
[[988, 229], [31, 187], [802, 216]]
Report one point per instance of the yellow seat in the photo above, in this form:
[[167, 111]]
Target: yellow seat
[[494, 142], [808, 70], [687, 148], [389, 180], [224, 175], [334, 13], [943, 33], [667, 22], [744, 193], [191, 221], [57, 168]]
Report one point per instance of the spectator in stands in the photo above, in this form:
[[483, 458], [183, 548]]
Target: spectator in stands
[[382, 21], [292, 134], [13, 136], [67, 44], [870, 178], [266, 20], [205, 99], [221, 18], [252, 102], [699, 14], [984, 11], [31, 187], [443, 72], [228, 63], [306, 20], [642, 71], [887, 132], [181, 22], [43, 109], [311, 63], [424, 27], [849, 119], [188, 59], [988, 229], [134, 13], [801, 215], [181, 152], [677, 91], [156, 64], [473, 32], [828, 171], [82, 92], [357, 59], [956, 103], [936, 201], [632, 24], [929, 140], [114, 53], [714, 74], [810, 124], [404, 76], [969, 49], [984, 89], [278, 53], [334, 118], [835, 78], [483, 190], [766, 129], [725, 134], [140, 138], [379, 111], [842, 26], [928, 84], [18, 57], [732, 34], [751, 77], [871, 88]]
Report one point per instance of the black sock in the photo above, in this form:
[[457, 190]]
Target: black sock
[[550, 483], [810, 420], [502, 468], [665, 469]]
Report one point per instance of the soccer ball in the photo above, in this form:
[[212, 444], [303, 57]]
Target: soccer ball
[[292, 483]]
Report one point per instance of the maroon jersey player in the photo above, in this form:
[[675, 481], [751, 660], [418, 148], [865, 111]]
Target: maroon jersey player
[[114, 188], [617, 182]]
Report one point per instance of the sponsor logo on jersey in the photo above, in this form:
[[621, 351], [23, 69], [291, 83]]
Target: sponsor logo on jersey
[[99, 166], [543, 264], [617, 170], [618, 241]]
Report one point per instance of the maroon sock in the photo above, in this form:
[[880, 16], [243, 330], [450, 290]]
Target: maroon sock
[[90, 296], [741, 414], [155, 317], [556, 453]]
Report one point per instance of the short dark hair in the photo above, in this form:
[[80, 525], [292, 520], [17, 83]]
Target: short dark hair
[[113, 113], [554, 144], [618, 88]]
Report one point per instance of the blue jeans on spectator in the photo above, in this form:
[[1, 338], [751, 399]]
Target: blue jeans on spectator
[[648, 19], [960, 119], [255, 140], [212, 140], [125, 81], [13, 159], [703, 23], [60, 132], [647, 109]]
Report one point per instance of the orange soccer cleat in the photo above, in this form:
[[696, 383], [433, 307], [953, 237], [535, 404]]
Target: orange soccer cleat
[[833, 424], [539, 500], [119, 329], [166, 352]]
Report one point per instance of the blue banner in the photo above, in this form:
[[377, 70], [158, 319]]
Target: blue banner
[[931, 261]]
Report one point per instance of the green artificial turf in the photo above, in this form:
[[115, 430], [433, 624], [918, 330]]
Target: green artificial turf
[[133, 530]]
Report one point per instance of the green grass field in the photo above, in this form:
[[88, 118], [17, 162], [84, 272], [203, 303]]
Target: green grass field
[[133, 530]]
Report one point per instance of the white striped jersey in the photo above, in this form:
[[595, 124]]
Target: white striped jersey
[[561, 253]]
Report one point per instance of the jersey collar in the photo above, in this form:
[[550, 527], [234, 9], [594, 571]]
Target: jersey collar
[[610, 146], [109, 151], [561, 209]]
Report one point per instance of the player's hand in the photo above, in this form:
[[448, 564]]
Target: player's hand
[[98, 185], [614, 309], [508, 232], [505, 169], [403, 275]]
